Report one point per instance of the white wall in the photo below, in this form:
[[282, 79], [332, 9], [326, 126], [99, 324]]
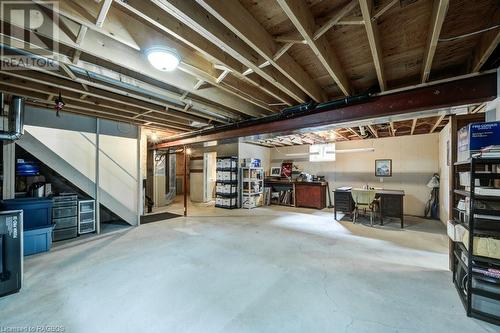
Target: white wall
[[414, 161], [246, 150], [444, 172], [118, 169], [76, 148]]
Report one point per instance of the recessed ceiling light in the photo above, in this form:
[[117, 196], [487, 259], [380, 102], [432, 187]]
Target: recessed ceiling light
[[163, 58]]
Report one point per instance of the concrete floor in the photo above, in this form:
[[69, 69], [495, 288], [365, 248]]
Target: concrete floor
[[271, 269]]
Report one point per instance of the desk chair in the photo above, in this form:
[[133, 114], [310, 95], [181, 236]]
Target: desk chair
[[363, 199]]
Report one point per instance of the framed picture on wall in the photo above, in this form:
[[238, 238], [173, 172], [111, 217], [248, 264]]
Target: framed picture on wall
[[275, 172], [383, 168], [286, 169]]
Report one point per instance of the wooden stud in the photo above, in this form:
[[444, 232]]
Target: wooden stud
[[303, 20], [374, 41], [438, 15], [392, 130]]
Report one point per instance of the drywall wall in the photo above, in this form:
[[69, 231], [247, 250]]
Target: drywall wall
[[414, 161], [246, 150], [444, 172]]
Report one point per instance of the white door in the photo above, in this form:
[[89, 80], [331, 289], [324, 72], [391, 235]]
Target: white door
[[209, 174]]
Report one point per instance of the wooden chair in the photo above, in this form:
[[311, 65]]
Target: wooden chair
[[363, 199]]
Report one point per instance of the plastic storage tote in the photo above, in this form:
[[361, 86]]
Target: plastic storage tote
[[37, 212], [37, 240]]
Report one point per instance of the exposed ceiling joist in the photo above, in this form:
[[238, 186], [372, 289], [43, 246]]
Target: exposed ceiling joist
[[198, 19], [81, 34], [450, 93], [487, 44], [384, 9], [233, 15], [440, 119], [413, 125], [154, 15], [334, 19], [374, 41], [438, 15], [303, 19], [112, 54], [354, 132], [103, 13], [373, 130]]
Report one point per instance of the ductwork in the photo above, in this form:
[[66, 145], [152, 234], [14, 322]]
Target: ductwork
[[15, 119]]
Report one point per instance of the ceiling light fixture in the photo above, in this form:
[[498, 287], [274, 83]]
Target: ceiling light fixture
[[163, 58]]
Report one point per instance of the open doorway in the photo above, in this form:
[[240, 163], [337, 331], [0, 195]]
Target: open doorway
[[209, 176]]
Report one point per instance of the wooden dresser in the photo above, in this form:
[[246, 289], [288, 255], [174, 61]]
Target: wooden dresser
[[310, 194]]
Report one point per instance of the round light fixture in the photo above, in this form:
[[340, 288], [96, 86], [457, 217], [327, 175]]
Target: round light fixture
[[163, 58]]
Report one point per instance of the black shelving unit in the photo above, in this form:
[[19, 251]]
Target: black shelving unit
[[227, 183], [474, 275]]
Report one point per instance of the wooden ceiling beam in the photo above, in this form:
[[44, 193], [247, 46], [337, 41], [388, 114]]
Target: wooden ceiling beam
[[438, 16], [343, 136], [172, 116], [236, 17], [117, 55], [486, 45], [334, 19], [103, 13], [413, 125], [440, 119], [303, 19], [373, 130], [374, 41], [198, 19], [354, 132], [429, 97], [86, 108], [153, 15], [384, 9]]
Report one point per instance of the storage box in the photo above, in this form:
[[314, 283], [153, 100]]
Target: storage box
[[450, 228], [37, 240], [473, 137], [37, 212]]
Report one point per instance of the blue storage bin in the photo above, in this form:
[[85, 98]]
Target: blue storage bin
[[37, 240], [37, 212]]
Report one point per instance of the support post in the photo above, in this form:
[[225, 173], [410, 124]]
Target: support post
[[140, 195], [97, 185], [9, 170], [185, 181]]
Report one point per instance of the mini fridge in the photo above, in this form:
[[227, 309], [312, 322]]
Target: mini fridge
[[11, 251]]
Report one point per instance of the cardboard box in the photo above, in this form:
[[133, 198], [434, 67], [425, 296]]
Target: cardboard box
[[473, 137]]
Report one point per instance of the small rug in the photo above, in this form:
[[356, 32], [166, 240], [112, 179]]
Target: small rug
[[158, 217]]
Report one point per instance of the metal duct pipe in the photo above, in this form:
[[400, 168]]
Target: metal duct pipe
[[15, 123]]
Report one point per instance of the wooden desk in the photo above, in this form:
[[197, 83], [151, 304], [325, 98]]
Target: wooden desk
[[305, 194], [391, 203]]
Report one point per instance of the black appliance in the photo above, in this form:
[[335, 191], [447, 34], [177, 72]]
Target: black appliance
[[11, 256]]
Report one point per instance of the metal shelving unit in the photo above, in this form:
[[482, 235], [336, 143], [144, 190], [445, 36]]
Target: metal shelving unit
[[475, 277], [252, 187], [226, 190]]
